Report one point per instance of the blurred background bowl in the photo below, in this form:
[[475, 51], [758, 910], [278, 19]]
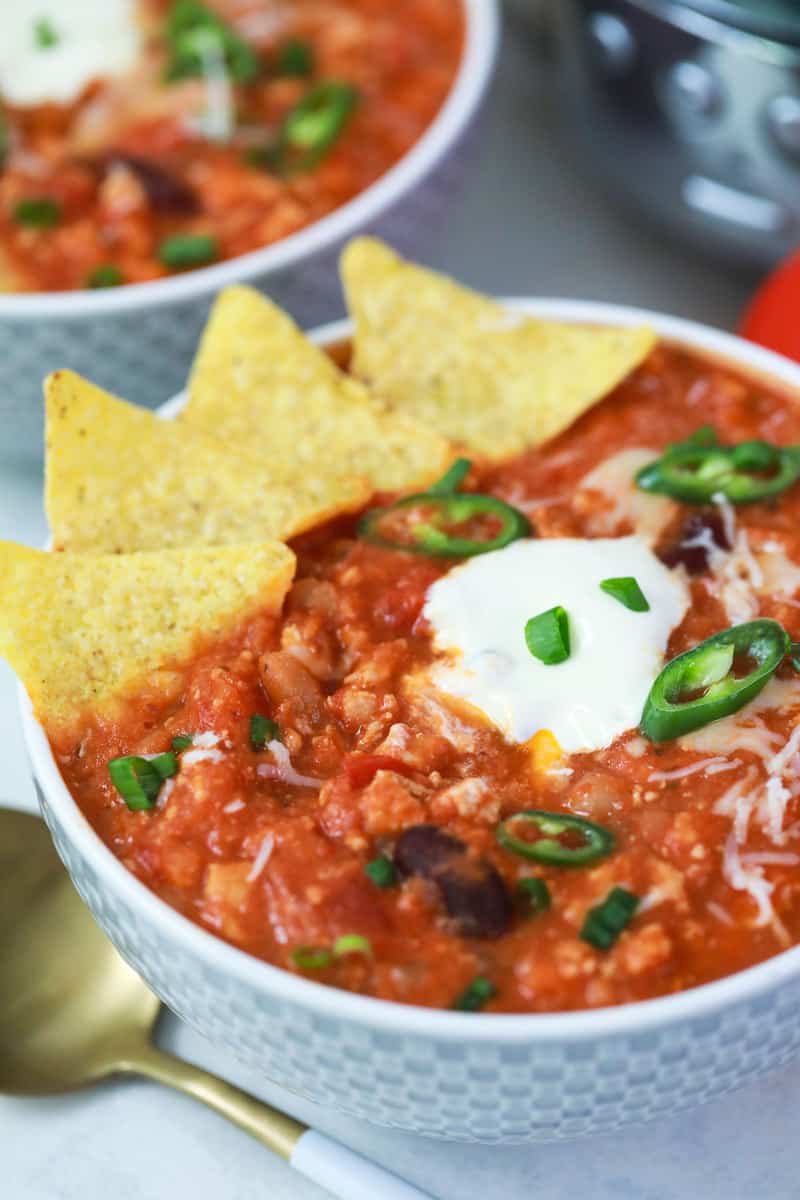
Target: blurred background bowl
[[138, 341]]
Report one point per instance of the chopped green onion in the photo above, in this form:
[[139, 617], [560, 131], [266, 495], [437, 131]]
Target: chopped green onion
[[476, 995], [191, 29], [535, 895], [263, 730], [794, 655], [181, 742], [604, 923], [40, 212], [625, 589], [547, 636], [187, 250], [382, 872], [311, 958], [44, 34], [138, 780], [312, 127], [105, 276], [351, 943], [295, 58]]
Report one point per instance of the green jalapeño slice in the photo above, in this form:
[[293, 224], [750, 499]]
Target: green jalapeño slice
[[697, 470], [445, 523], [556, 838], [715, 679]]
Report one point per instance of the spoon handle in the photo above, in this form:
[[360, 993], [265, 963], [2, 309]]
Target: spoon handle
[[343, 1172]]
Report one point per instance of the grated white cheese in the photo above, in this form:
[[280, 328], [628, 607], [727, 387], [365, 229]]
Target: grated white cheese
[[261, 859], [235, 806], [165, 790], [614, 478], [282, 769], [748, 879], [719, 912], [206, 741], [738, 573], [710, 766], [190, 757], [218, 122], [768, 858]]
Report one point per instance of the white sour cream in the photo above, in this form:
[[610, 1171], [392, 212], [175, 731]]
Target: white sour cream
[[478, 614], [92, 38]]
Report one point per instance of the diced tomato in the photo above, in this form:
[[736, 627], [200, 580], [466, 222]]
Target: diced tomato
[[362, 768]]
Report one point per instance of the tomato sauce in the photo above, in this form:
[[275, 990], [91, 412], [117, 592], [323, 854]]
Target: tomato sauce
[[128, 164], [273, 864]]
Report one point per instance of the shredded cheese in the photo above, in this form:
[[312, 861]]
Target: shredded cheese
[[711, 766], [261, 859], [282, 768]]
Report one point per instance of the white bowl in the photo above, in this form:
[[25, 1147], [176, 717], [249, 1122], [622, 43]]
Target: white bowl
[[478, 1077], [140, 339]]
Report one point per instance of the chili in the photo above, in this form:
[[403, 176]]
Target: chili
[[697, 470]]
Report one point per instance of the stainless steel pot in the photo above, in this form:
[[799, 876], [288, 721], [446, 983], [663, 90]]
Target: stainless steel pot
[[692, 112]]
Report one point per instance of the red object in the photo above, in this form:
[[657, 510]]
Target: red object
[[773, 317], [362, 768]]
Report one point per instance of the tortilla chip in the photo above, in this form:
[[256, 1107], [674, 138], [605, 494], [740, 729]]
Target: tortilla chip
[[81, 629], [119, 480], [258, 382], [463, 365]]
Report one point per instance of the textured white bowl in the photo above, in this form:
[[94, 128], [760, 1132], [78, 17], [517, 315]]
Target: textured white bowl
[[475, 1077], [139, 340]]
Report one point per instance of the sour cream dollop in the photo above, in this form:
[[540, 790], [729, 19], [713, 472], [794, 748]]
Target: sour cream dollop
[[478, 614]]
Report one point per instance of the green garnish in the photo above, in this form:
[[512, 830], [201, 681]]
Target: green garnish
[[534, 895], [709, 681], [625, 589], [439, 513], [311, 958], [697, 470], [547, 636], [263, 730], [382, 872], [352, 943], [604, 923], [44, 34], [187, 250], [316, 958], [584, 841], [181, 742], [475, 996], [295, 58], [192, 31], [310, 129], [105, 276], [138, 780], [39, 212]]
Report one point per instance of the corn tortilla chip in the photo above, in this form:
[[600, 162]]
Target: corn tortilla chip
[[118, 479], [463, 365], [81, 629], [258, 381]]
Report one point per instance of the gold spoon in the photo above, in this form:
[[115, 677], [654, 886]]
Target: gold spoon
[[72, 1012]]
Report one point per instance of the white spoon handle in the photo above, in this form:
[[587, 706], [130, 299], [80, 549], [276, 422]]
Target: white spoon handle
[[346, 1174]]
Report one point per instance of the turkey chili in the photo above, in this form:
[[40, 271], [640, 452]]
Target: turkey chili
[[524, 742]]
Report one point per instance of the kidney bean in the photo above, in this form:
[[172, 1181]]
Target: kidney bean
[[692, 547], [472, 890], [165, 192]]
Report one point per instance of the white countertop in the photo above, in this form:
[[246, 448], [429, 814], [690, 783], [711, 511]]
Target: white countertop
[[543, 231]]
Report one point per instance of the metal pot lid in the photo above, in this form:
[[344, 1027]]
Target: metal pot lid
[[778, 20]]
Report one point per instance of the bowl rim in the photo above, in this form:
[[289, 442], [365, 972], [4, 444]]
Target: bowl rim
[[481, 40], [638, 1017]]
